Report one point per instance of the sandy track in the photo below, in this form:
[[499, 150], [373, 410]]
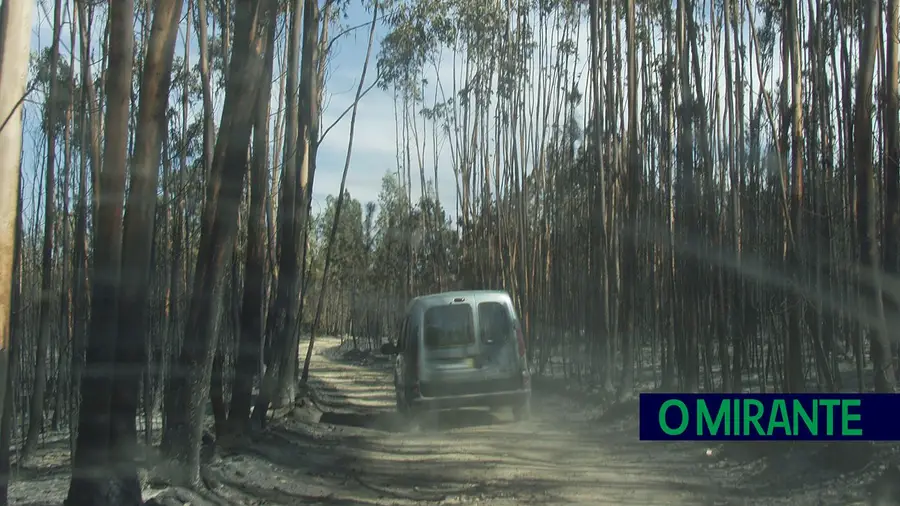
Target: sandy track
[[352, 449], [360, 452]]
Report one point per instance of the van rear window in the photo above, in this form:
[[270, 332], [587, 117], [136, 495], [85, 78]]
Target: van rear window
[[450, 325], [494, 323]]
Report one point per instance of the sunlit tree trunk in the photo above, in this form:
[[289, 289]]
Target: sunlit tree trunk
[[15, 41], [629, 269], [139, 224], [794, 360], [866, 195]]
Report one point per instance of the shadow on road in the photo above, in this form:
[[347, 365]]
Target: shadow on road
[[389, 420], [299, 464]]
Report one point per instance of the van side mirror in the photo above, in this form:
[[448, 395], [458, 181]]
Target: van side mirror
[[388, 349]]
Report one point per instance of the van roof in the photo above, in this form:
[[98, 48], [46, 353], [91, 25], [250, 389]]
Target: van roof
[[438, 299]]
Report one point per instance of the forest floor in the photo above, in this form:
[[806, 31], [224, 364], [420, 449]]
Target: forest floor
[[346, 446]]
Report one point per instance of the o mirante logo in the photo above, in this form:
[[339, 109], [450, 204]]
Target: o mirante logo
[[769, 416]]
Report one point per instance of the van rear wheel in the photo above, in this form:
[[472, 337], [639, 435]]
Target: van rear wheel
[[522, 410]]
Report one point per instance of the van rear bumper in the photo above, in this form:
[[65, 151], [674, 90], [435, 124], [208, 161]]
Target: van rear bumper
[[491, 399]]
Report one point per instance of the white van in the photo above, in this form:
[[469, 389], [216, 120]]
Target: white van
[[461, 349]]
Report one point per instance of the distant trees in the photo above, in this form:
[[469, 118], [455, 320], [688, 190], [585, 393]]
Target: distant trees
[[365, 295]]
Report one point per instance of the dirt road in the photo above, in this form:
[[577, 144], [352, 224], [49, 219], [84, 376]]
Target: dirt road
[[351, 449], [359, 452]]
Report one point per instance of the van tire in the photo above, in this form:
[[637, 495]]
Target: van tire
[[522, 411]]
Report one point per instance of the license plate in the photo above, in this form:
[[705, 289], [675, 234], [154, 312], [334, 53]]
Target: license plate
[[470, 362]]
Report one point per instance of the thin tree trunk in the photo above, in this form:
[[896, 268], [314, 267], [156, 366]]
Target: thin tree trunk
[[219, 223], [139, 226], [866, 195], [252, 324], [95, 480], [38, 391], [281, 325]]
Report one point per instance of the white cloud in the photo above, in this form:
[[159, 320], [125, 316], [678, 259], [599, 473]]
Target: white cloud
[[374, 123]]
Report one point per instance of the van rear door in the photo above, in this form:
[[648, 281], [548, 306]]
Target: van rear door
[[499, 351], [450, 352]]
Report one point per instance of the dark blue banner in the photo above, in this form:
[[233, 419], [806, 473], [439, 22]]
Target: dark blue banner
[[761, 417]]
